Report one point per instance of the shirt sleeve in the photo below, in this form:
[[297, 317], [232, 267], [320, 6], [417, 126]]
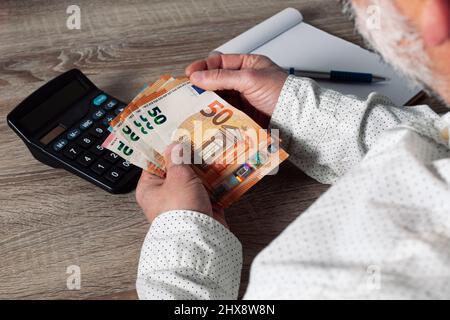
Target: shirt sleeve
[[189, 255], [327, 133]]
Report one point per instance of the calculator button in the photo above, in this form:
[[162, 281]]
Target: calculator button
[[73, 134], [97, 149], [86, 124], [98, 114], [97, 131], [112, 157], [100, 99], [58, 145], [124, 164], [86, 141], [119, 110], [86, 159], [114, 174], [107, 120], [72, 152], [110, 105], [100, 167]]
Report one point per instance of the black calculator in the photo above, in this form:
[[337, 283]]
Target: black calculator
[[64, 124]]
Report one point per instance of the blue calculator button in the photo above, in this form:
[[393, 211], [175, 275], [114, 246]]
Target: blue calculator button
[[107, 120], [86, 124], [98, 114], [110, 105], [100, 99], [73, 134], [58, 145]]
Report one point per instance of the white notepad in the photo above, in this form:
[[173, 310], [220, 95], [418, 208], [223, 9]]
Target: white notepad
[[290, 42]]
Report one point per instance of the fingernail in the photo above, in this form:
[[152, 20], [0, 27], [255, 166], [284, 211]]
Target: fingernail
[[175, 153], [178, 149], [197, 76], [174, 147]]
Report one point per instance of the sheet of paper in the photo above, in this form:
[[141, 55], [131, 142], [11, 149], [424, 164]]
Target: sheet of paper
[[305, 47], [263, 32]]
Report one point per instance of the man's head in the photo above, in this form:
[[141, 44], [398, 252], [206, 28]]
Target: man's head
[[412, 35]]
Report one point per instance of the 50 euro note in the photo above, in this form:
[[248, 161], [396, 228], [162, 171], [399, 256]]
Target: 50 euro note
[[127, 143], [126, 135], [143, 119], [131, 125], [226, 148], [233, 152]]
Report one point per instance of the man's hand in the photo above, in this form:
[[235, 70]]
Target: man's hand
[[256, 78], [258, 82], [181, 189]]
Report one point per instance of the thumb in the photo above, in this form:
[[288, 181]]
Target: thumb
[[219, 79], [176, 164]]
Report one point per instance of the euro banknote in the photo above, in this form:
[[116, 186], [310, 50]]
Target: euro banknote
[[227, 149]]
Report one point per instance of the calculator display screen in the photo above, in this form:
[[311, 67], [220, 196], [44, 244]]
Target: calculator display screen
[[54, 106], [52, 134]]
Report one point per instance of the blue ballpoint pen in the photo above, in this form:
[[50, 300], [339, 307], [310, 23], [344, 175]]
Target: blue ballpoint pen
[[338, 76]]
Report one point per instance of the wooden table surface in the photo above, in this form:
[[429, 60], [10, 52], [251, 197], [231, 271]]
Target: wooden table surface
[[50, 219]]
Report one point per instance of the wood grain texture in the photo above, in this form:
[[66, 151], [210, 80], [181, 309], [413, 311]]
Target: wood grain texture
[[50, 219]]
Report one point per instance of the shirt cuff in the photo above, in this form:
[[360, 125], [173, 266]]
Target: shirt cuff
[[194, 242]]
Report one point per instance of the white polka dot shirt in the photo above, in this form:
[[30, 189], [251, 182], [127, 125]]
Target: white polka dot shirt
[[381, 231]]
